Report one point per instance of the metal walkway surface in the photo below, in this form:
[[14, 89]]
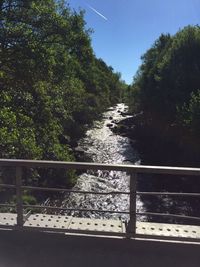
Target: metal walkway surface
[[134, 229], [70, 224], [36, 239]]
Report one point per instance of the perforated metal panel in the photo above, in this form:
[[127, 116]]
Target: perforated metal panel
[[48, 221], [114, 227], [97, 225], [168, 230], [8, 219], [68, 222]]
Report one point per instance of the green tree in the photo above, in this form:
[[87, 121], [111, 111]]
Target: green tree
[[166, 86], [51, 83]]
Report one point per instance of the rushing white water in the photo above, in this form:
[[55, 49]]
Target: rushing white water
[[104, 146]]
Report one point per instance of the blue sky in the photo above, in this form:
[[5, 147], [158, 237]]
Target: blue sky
[[132, 26]]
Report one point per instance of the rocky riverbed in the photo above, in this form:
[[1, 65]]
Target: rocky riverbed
[[101, 144]]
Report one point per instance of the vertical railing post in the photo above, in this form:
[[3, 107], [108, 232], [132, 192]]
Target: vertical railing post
[[131, 227], [19, 197]]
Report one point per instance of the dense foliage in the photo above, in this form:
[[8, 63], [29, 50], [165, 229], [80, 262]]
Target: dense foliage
[[51, 83], [166, 89]]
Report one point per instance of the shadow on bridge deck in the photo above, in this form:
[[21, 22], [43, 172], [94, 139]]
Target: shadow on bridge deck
[[44, 249]]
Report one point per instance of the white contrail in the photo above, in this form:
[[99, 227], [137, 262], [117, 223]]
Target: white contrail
[[98, 13]]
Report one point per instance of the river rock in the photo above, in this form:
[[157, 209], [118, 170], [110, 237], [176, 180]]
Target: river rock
[[73, 143], [79, 154], [114, 121], [123, 114], [79, 150], [64, 139], [110, 125]]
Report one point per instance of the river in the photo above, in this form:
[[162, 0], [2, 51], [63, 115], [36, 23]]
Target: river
[[101, 145]]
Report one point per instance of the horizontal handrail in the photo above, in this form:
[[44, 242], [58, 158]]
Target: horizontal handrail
[[7, 205], [73, 191], [180, 194], [8, 185], [100, 166], [133, 170], [54, 189], [74, 209], [176, 216]]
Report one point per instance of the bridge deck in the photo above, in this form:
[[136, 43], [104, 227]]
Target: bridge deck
[[70, 224], [36, 239], [30, 249]]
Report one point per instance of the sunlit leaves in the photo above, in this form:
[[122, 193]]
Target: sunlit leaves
[[166, 87], [51, 83]]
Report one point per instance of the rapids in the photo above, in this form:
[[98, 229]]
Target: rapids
[[103, 146]]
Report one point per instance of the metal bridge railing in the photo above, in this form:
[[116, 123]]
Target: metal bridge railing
[[132, 170]]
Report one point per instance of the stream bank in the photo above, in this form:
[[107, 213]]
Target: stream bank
[[161, 151]]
